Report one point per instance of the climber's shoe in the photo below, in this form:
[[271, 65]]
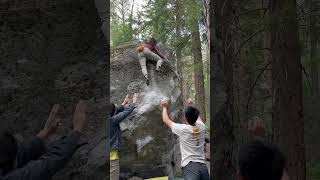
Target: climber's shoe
[[158, 69], [147, 81]]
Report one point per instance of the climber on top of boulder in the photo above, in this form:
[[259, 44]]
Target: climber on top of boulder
[[152, 52]]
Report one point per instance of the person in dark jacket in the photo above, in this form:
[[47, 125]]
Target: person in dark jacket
[[34, 160], [117, 115]]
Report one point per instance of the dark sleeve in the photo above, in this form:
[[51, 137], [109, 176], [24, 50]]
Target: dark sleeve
[[119, 109], [30, 151], [159, 52], [116, 119], [56, 157]]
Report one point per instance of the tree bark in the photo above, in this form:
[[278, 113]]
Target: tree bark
[[223, 163], [198, 66], [313, 46], [198, 71], [287, 86], [179, 45], [206, 15]]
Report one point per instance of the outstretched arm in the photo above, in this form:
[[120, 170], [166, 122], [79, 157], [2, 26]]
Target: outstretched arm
[[127, 110], [56, 157], [118, 118], [34, 148], [160, 53], [165, 117], [120, 108]]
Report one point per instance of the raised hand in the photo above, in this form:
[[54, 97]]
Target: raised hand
[[79, 116], [164, 103], [125, 100], [51, 124], [135, 98], [52, 121]]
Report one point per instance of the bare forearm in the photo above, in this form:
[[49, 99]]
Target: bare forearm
[[79, 116], [43, 135], [165, 117], [160, 53]]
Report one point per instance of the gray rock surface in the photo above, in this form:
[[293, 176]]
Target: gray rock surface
[[149, 145], [54, 51]]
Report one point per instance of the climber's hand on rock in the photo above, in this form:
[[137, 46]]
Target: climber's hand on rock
[[164, 103], [51, 124], [126, 100], [79, 116], [135, 98]]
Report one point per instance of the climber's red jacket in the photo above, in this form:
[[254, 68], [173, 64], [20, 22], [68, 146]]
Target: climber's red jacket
[[155, 49]]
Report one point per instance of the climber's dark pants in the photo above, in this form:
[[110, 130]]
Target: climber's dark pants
[[101, 5], [195, 171]]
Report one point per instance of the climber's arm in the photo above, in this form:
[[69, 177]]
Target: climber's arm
[[56, 157], [165, 117], [160, 53], [122, 115], [119, 109], [30, 150]]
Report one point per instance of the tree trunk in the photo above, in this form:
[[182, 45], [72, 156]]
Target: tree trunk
[[313, 46], [287, 86], [198, 70], [198, 66], [179, 46], [223, 163], [206, 15]]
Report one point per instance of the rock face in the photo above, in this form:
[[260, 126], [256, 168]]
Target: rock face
[[54, 52], [148, 144]]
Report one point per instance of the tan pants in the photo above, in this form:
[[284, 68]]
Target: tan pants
[[148, 54], [114, 170]]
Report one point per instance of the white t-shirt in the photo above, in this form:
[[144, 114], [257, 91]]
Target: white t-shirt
[[192, 139]]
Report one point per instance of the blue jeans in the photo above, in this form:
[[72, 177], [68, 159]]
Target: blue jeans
[[195, 171]]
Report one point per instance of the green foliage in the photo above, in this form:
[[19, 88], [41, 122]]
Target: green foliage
[[159, 19], [121, 33], [121, 22], [313, 171], [193, 12]]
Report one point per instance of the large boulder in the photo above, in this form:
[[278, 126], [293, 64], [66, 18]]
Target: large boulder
[[149, 147], [54, 51]]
